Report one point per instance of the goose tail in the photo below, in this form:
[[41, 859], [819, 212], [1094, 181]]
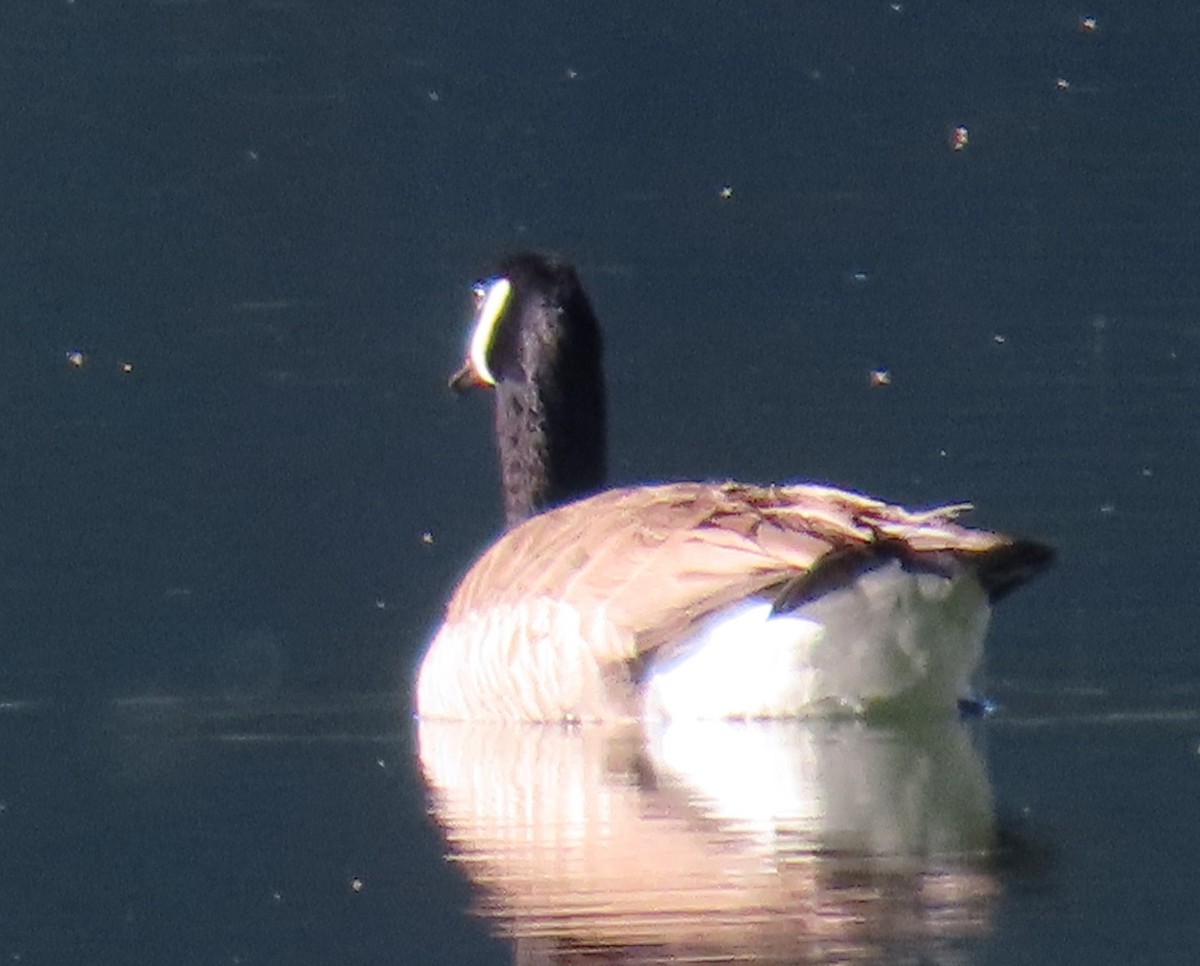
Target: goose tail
[[1003, 569]]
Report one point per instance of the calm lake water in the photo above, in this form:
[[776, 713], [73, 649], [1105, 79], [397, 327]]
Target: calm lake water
[[238, 240]]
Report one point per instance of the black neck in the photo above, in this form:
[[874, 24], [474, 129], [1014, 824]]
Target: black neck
[[550, 410], [547, 457]]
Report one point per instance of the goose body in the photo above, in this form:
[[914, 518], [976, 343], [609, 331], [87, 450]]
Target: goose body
[[689, 600]]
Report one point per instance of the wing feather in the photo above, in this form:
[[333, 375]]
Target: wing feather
[[653, 560]]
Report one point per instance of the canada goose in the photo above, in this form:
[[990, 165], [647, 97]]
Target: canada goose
[[686, 600]]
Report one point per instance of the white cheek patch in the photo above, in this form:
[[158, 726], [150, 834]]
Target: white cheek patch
[[493, 298]]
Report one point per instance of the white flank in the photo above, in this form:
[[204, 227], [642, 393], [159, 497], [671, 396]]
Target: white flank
[[531, 661], [891, 636]]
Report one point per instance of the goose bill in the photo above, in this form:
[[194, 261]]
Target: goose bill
[[466, 378]]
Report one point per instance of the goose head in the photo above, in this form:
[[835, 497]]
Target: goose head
[[536, 344]]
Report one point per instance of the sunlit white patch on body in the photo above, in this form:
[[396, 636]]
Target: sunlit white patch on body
[[739, 663], [892, 637], [494, 296]]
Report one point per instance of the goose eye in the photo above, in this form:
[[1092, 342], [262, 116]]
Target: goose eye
[[479, 292], [491, 299]]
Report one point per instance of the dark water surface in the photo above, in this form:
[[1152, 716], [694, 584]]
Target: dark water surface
[[237, 239]]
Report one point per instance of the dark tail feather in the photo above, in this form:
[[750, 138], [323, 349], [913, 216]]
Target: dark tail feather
[[1004, 569], [832, 571], [999, 571], [841, 567]]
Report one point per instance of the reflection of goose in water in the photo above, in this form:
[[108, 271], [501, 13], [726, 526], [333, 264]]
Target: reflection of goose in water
[[761, 842], [687, 600]]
